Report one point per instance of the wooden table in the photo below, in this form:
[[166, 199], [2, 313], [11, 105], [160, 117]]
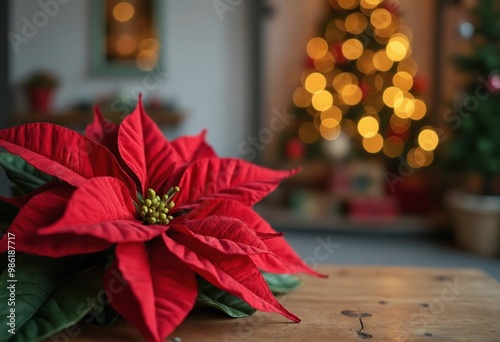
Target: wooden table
[[356, 303]]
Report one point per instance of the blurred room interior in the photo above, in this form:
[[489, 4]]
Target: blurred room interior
[[388, 107]]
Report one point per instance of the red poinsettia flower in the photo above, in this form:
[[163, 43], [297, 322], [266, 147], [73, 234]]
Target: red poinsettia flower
[[119, 184]]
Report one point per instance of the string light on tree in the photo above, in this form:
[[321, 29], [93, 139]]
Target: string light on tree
[[362, 83]]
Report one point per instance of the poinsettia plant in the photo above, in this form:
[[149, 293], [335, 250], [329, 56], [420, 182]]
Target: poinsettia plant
[[122, 221]]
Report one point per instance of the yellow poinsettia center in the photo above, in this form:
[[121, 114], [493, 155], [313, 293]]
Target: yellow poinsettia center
[[154, 209]]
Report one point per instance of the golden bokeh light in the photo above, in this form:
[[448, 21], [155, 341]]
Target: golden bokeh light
[[340, 24], [317, 47], [373, 102], [333, 112], [402, 80], [418, 158], [381, 61], [348, 4], [308, 133], [422, 158], [349, 127], [123, 11], [393, 146], [330, 123], [396, 50], [420, 109], [386, 32], [325, 64], [381, 18], [125, 44], [391, 94], [343, 79], [316, 121], [374, 82], [399, 125], [402, 38], [408, 65], [365, 62], [301, 97], [404, 105], [428, 139], [406, 33], [315, 82], [146, 60], [369, 4], [368, 126], [329, 133], [322, 100], [410, 158], [352, 49], [373, 144], [351, 94], [304, 75], [356, 23], [332, 33], [149, 44]]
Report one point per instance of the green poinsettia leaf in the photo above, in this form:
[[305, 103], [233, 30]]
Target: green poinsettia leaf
[[7, 213], [16, 192], [104, 314], [281, 283], [22, 174], [46, 299], [225, 302]]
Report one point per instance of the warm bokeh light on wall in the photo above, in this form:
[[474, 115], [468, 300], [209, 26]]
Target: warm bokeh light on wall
[[123, 11], [361, 81]]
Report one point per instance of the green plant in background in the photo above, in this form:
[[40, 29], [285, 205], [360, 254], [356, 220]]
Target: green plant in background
[[41, 80], [476, 123]]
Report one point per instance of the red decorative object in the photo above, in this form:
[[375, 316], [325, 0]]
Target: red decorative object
[[40, 89], [107, 196], [393, 7], [414, 194], [41, 99], [371, 207], [402, 135], [365, 90], [295, 149], [420, 84], [309, 62], [336, 51]]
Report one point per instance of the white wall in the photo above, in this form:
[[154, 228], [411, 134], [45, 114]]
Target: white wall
[[206, 58]]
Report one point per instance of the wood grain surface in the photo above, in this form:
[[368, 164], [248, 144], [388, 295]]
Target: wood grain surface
[[354, 303]]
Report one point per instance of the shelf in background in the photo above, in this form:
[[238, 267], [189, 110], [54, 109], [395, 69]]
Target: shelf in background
[[285, 219], [80, 118]]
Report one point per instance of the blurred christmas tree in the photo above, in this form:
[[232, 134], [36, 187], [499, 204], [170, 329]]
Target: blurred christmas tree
[[359, 91], [475, 125]]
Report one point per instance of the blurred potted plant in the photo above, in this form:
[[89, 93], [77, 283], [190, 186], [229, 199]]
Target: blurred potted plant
[[40, 89], [475, 148]]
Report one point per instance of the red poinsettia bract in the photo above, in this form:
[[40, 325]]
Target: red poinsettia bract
[[109, 194]]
